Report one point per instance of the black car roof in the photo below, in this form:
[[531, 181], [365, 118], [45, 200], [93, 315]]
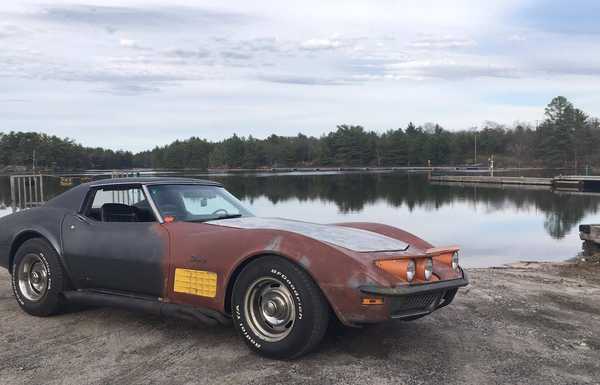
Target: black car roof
[[72, 199]]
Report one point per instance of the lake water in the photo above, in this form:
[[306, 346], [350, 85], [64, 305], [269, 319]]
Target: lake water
[[493, 225]]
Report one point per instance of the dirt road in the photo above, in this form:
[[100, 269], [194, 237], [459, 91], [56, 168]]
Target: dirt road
[[532, 324]]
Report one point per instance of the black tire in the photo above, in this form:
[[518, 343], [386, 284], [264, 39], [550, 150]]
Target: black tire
[[311, 312], [50, 300]]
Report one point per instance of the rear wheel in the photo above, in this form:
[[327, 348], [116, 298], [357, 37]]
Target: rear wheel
[[278, 309], [37, 278]]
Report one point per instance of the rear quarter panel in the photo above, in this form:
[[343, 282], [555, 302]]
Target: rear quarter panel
[[44, 221]]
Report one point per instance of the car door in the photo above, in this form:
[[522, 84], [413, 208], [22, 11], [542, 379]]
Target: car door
[[118, 253]]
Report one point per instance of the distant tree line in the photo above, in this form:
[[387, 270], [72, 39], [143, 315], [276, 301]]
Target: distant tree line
[[568, 137], [52, 152]]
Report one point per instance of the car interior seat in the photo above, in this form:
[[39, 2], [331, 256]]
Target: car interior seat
[[117, 212]]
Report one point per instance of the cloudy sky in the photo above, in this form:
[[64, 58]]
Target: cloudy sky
[[133, 74]]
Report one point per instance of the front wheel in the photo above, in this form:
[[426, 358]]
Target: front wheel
[[278, 309]]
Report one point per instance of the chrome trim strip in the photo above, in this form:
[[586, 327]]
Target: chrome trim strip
[[152, 204]]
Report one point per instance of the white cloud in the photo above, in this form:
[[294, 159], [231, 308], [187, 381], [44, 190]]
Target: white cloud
[[449, 68], [128, 43], [236, 55], [517, 37], [307, 79], [446, 41], [320, 44], [8, 30], [188, 53]]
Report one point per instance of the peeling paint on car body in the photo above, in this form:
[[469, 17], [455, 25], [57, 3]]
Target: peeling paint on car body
[[354, 239]]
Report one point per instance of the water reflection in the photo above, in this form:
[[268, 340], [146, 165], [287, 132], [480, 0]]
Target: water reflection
[[351, 192], [500, 224]]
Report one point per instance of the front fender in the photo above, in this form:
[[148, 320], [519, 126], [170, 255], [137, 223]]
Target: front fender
[[338, 272]]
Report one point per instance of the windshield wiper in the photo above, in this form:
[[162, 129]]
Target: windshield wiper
[[227, 216]]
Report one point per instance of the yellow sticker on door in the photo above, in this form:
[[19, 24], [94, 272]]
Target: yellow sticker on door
[[196, 282]]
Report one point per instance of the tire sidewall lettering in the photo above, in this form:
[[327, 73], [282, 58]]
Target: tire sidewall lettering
[[15, 286], [293, 288], [243, 329]]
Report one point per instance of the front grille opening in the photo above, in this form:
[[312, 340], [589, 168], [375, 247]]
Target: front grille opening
[[415, 304]]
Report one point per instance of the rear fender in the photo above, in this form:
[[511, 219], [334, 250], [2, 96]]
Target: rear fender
[[54, 238]]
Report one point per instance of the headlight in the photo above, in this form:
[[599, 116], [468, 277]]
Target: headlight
[[410, 270], [404, 268], [428, 269], [455, 260]]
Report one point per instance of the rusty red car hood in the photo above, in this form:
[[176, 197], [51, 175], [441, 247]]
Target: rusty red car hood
[[350, 238]]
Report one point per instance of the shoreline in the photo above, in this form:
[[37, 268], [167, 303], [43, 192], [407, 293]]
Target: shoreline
[[284, 170]]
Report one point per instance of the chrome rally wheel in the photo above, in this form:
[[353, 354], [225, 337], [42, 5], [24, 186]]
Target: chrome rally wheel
[[32, 275], [271, 309], [37, 278]]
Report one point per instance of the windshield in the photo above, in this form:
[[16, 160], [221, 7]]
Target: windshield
[[196, 203]]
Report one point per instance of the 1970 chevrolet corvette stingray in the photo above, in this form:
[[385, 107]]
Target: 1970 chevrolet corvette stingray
[[188, 248]]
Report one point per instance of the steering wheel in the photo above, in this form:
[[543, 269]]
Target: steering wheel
[[169, 209], [225, 212]]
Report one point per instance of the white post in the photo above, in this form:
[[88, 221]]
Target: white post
[[41, 188], [13, 199]]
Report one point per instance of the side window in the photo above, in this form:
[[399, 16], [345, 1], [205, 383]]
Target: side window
[[118, 204]]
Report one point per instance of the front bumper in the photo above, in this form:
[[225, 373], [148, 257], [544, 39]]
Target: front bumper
[[414, 301]]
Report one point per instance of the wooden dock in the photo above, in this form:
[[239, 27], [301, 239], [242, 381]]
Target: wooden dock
[[514, 180], [565, 183], [590, 233]]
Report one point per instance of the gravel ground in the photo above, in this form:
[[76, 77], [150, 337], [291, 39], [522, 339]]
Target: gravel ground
[[528, 324]]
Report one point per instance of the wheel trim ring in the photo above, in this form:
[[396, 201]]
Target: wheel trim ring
[[33, 277], [261, 324]]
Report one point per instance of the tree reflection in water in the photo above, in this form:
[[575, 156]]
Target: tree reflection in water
[[351, 192]]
